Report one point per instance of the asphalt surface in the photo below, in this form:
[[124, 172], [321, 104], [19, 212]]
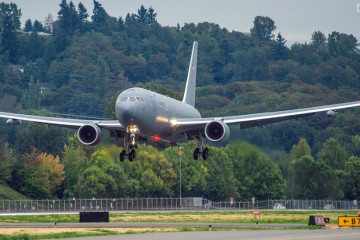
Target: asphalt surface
[[339, 234]]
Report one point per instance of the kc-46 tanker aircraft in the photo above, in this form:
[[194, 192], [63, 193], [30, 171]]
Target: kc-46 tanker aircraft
[[142, 114]]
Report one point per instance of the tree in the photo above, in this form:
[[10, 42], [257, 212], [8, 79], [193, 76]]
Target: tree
[[40, 176], [95, 183], [100, 78], [263, 28], [333, 154], [318, 41], [99, 18], [31, 98], [151, 16], [257, 176], [28, 26], [10, 22], [300, 150], [48, 139], [48, 23], [7, 162], [82, 17], [75, 161], [352, 171], [312, 180], [38, 27], [280, 49], [141, 17]]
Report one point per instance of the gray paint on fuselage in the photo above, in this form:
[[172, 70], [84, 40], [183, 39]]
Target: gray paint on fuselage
[[154, 114]]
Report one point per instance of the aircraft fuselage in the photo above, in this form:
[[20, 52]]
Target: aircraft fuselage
[[151, 113]]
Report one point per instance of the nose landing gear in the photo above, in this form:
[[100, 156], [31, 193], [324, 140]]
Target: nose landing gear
[[129, 144]]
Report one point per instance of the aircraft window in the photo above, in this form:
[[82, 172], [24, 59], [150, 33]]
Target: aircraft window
[[132, 99], [139, 99], [124, 99]]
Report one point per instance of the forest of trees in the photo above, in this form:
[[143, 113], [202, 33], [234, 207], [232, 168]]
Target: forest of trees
[[77, 62]]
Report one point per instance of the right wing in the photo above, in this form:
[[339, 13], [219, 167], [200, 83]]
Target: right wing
[[64, 122]]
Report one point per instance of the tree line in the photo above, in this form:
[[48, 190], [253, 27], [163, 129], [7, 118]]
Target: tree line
[[85, 61]]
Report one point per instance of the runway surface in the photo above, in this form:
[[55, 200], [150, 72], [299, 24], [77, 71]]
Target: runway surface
[[339, 234]]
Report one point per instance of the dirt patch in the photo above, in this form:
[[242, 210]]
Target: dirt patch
[[44, 231]]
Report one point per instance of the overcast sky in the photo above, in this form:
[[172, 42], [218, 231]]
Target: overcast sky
[[295, 19]]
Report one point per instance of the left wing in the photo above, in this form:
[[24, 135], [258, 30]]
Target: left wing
[[64, 122], [258, 119]]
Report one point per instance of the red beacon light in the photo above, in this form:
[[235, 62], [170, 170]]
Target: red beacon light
[[156, 138]]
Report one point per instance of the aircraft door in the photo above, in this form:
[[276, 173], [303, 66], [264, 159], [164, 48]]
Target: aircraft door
[[153, 102]]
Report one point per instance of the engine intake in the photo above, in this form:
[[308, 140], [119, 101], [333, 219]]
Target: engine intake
[[217, 131], [89, 135]]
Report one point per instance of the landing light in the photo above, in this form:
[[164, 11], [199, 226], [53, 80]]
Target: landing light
[[173, 122]]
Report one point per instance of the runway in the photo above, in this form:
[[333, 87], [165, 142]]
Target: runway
[[261, 234], [339, 234]]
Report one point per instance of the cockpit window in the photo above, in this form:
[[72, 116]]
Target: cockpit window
[[131, 99]]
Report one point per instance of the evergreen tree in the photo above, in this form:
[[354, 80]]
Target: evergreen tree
[[10, 22], [141, 17], [99, 18], [82, 17], [280, 49], [38, 27], [28, 26], [151, 16], [100, 77], [31, 99]]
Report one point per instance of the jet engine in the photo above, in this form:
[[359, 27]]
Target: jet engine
[[13, 122], [89, 135], [217, 131], [332, 113]]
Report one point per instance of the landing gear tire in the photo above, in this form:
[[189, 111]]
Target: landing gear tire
[[196, 154], [205, 154], [132, 155], [122, 155]]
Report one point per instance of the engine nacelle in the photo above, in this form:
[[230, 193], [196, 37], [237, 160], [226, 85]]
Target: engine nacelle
[[89, 135], [217, 131], [13, 122], [332, 113]]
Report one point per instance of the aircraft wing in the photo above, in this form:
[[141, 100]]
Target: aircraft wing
[[258, 119], [63, 122]]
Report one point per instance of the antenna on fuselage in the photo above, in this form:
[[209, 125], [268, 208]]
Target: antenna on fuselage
[[189, 95]]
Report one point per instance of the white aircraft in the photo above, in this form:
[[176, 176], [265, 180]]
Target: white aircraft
[[143, 114]]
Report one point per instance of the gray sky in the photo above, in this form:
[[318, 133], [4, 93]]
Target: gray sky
[[295, 19]]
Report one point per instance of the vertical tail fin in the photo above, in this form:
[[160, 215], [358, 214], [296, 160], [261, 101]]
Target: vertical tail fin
[[189, 95]]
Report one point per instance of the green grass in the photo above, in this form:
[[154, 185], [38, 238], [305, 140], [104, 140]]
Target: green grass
[[7, 193], [301, 217]]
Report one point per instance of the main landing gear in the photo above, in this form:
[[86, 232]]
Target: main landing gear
[[129, 144], [200, 151]]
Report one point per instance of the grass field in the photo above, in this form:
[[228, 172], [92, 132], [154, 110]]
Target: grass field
[[174, 217], [203, 217]]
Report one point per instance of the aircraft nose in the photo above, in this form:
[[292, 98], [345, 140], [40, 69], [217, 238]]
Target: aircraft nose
[[125, 113]]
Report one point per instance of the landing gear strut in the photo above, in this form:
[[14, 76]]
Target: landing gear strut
[[129, 144], [200, 151]]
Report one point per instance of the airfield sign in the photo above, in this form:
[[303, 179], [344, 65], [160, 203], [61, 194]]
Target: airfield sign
[[349, 221]]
